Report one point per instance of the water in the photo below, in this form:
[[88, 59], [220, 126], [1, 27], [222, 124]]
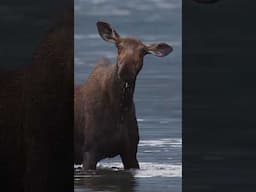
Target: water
[[157, 94]]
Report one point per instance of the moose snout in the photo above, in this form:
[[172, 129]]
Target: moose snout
[[127, 72]]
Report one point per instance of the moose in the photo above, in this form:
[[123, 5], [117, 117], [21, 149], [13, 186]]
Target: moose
[[36, 110], [105, 118]]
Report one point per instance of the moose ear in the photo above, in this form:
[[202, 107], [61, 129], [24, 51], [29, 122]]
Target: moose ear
[[107, 32], [160, 50]]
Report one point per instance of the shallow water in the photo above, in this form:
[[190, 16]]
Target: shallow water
[[157, 93]]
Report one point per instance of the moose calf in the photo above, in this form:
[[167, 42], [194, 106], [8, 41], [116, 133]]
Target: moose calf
[[105, 119]]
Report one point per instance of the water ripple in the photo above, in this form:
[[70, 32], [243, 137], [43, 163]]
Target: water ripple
[[147, 169]]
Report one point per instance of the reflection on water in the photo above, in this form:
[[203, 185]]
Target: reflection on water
[[118, 180], [105, 180]]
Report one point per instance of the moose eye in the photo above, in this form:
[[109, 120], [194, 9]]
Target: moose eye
[[144, 51], [118, 46]]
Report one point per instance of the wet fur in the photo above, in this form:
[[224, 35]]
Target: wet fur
[[98, 109]]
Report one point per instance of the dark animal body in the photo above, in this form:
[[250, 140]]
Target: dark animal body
[[36, 115], [105, 117]]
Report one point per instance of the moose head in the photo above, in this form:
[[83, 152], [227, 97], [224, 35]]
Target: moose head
[[130, 51]]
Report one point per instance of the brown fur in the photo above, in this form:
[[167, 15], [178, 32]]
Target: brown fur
[[105, 118], [100, 134]]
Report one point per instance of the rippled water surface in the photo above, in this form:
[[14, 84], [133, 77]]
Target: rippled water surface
[[157, 94]]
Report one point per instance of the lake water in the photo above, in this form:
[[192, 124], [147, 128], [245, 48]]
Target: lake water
[[157, 93]]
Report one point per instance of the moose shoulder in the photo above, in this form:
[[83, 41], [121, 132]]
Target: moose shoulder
[[105, 118]]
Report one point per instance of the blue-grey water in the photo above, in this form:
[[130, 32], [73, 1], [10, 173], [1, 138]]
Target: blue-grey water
[[157, 94]]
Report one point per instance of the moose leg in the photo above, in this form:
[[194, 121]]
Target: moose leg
[[130, 161], [89, 161], [78, 153]]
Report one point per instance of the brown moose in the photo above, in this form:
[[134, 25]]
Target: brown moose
[[105, 118]]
